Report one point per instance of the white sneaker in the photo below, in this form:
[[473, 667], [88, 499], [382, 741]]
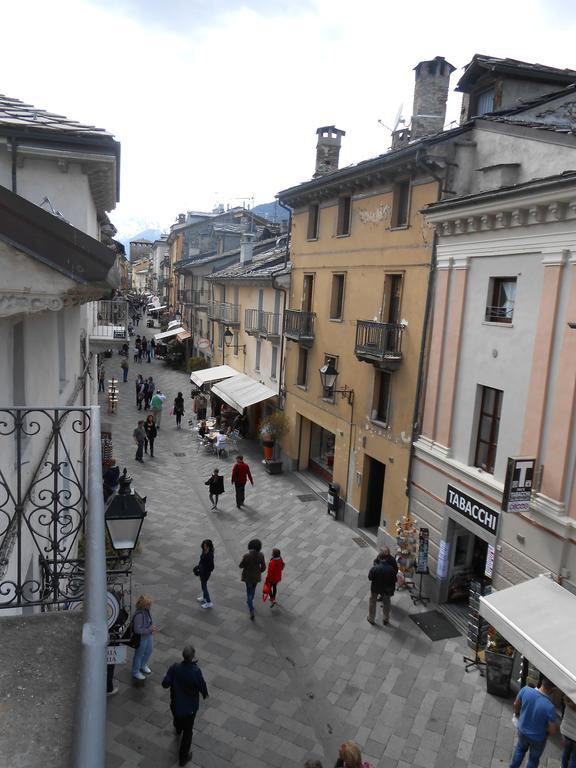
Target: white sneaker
[[200, 599], [207, 605], [139, 676], [146, 670]]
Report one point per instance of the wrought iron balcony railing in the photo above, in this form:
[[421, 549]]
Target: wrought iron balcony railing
[[299, 325], [264, 324], [379, 343], [228, 314], [108, 321]]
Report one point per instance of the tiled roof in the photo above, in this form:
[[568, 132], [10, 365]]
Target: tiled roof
[[262, 266], [15, 113], [564, 127]]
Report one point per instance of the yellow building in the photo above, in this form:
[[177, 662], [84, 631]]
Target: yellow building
[[361, 257]]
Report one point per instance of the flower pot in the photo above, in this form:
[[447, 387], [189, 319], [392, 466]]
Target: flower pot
[[268, 446]]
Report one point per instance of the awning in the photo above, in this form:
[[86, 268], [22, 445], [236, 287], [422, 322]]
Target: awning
[[538, 618], [184, 335], [156, 309], [241, 391], [212, 374], [167, 334]]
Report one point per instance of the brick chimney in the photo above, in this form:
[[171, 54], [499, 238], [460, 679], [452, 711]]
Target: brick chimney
[[327, 150], [430, 96], [246, 247]]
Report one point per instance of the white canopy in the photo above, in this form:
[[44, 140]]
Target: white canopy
[[538, 617], [167, 334], [212, 374], [241, 391], [156, 309]]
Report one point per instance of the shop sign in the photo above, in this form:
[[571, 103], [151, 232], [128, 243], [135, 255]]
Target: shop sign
[[422, 560], [518, 485], [116, 654], [442, 566], [472, 509]]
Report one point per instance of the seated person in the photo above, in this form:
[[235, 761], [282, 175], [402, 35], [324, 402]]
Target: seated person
[[203, 429], [221, 441]]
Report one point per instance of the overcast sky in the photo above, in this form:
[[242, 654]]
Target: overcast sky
[[219, 100]]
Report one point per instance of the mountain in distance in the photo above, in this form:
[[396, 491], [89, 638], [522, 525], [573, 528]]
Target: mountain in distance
[[146, 234], [271, 211]]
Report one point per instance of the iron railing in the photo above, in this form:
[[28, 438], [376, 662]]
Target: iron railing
[[109, 320], [378, 342], [229, 314], [299, 325], [261, 323], [499, 314]]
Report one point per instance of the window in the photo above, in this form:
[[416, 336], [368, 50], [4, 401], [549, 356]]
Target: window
[[381, 400], [344, 210], [337, 297], [220, 337], [392, 297], [488, 427], [302, 375], [328, 392], [313, 217], [274, 362], [235, 342], [485, 102], [501, 297], [401, 204], [258, 354], [307, 293]]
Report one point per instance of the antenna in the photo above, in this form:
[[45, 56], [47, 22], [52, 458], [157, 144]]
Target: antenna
[[397, 120]]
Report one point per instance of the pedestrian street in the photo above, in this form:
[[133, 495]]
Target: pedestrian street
[[307, 674]]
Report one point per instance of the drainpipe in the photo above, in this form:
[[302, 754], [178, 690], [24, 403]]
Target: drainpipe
[[284, 291], [14, 152]]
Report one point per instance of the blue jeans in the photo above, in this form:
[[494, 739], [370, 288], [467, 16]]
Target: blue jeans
[[142, 653], [204, 585], [569, 754], [524, 744], [250, 592]]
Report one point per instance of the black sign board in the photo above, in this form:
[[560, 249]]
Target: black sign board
[[422, 561], [518, 485], [474, 510]]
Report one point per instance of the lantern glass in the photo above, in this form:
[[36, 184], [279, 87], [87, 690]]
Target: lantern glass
[[328, 375]]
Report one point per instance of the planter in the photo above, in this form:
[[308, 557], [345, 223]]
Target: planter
[[268, 446], [273, 467]]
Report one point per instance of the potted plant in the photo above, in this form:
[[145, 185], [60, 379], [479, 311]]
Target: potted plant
[[271, 429]]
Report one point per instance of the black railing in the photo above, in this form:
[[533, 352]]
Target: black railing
[[499, 314], [378, 342], [299, 325], [223, 312], [261, 323]]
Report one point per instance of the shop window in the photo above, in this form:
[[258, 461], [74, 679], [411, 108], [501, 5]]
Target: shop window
[[488, 428], [302, 376], [381, 400], [322, 444], [337, 297], [274, 362], [401, 204], [313, 221], [344, 210], [501, 298]]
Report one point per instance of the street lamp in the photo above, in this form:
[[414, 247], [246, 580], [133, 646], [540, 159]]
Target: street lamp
[[125, 513], [328, 377], [228, 336]]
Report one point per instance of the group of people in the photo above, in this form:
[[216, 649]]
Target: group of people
[[144, 349], [240, 476]]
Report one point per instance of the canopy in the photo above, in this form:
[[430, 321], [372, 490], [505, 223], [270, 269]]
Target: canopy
[[241, 391], [212, 374], [167, 334], [156, 309], [184, 335], [538, 617]]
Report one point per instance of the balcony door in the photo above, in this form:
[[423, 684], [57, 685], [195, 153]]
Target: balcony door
[[392, 297], [307, 293], [374, 494]]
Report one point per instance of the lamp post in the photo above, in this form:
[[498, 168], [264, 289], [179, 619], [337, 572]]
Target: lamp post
[[328, 377], [125, 513], [228, 338]]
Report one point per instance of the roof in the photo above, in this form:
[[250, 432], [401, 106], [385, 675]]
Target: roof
[[14, 112], [261, 268], [481, 64]]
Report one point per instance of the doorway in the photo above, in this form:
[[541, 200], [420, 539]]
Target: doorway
[[468, 564], [374, 494]]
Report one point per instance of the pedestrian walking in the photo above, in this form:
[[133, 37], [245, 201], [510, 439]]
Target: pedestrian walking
[[240, 475], [383, 584], [101, 377], [186, 683], [157, 403], [273, 575], [144, 348], [568, 731], [152, 349], [349, 756], [124, 366], [203, 570], [143, 629], [151, 433], [536, 721], [215, 485], [178, 409], [139, 436], [253, 566], [149, 388], [138, 384], [137, 350], [200, 405]]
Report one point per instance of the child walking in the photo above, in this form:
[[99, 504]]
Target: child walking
[[215, 485], [274, 574]]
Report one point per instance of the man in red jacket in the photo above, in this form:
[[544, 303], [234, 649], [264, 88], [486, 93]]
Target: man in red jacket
[[240, 475]]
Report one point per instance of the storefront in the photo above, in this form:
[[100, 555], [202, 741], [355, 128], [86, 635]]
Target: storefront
[[322, 445]]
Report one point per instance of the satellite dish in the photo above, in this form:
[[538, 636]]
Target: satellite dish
[[397, 120]]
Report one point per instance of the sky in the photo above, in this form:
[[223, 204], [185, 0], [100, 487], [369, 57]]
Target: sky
[[218, 101]]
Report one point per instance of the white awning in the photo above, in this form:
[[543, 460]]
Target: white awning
[[538, 618], [167, 334], [241, 391], [217, 373], [156, 309]]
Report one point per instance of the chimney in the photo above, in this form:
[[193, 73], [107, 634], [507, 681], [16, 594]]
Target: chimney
[[430, 95], [246, 248], [181, 218], [327, 150]]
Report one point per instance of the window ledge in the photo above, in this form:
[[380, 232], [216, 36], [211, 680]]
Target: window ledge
[[401, 226], [311, 239], [381, 424], [336, 319], [303, 387], [496, 324], [329, 400], [344, 234]]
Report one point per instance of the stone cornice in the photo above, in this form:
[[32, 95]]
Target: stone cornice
[[497, 219], [30, 302]]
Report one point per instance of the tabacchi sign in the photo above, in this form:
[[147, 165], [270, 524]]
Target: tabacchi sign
[[472, 509], [518, 485]]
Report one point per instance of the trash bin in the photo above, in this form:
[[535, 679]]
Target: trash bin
[[333, 500]]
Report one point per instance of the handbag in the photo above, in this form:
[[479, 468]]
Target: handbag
[[196, 570], [266, 591], [134, 638]]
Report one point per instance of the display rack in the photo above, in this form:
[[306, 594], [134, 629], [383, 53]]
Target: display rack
[[406, 547], [112, 395]]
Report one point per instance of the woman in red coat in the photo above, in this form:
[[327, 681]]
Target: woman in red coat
[[274, 574]]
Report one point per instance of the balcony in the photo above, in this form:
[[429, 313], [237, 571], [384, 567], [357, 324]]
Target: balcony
[[108, 322], [265, 325], [222, 312], [379, 344], [200, 298], [184, 296], [299, 326]]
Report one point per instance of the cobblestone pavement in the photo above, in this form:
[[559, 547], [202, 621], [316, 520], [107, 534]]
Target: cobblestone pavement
[[307, 674]]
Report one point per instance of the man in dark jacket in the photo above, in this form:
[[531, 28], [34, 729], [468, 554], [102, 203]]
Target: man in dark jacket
[[186, 683], [383, 583], [253, 566]]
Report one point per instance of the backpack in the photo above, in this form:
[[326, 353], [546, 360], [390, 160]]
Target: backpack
[[133, 637]]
